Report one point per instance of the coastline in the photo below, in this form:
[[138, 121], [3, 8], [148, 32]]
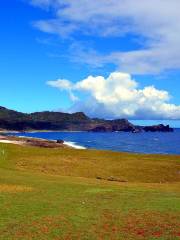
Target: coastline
[[21, 140], [74, 145], [31, 141], [44, 143], [113, 142]]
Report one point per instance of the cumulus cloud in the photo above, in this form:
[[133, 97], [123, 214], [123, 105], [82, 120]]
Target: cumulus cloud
[[118, 96], [156, 23]]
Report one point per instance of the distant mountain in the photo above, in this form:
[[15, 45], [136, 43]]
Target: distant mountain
[[58, 121]]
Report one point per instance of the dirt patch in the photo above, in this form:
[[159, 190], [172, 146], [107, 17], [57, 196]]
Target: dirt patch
[[6, 188]]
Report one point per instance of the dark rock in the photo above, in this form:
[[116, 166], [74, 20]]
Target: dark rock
[[158, 128], [113, 126], [60, 141], [99, 178]]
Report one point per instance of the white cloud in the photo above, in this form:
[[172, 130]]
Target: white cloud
[[61, 84], [119, 96], [64, 84], [54, 26], [157, 22]]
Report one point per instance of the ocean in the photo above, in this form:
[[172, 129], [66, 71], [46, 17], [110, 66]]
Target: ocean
[[157, 143]]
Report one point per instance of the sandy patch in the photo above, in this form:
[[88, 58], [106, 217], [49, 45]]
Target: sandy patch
[[27, 141], [6, 188], [10, 141]]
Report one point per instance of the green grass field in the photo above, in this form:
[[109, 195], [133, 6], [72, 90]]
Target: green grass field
[[66, 194]]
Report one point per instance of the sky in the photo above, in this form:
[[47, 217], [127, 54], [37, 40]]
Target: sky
[[109, 59]]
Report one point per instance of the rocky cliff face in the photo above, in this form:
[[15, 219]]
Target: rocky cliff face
[[113, 126], [158, 128], [13, 120]]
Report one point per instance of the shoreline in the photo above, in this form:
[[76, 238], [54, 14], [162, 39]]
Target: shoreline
[[30, 141], [71, 142], [5, 138], [44, 143]]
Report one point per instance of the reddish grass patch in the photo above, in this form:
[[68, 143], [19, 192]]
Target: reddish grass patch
[[111, 226], [137, 225]]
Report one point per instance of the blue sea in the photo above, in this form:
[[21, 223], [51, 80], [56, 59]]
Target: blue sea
[[160, 143]]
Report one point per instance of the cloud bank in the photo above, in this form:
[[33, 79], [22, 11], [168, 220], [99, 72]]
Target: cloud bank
[[155, 23], [118, 96]]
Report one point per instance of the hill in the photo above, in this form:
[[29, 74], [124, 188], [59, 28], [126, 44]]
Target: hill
[[13, 120]]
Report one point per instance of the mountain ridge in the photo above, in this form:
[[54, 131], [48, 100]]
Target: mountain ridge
[[59, 121]]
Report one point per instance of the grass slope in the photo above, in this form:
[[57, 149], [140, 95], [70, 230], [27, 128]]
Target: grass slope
[[54, 194]]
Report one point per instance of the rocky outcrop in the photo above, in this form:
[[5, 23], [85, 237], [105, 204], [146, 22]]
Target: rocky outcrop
[[114, 126], [158, 128]]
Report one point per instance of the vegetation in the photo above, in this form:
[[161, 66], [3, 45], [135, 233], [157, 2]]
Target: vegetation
[[13, 120], [86, 194]]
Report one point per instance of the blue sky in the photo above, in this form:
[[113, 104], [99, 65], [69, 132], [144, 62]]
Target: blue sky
[[49, 49]]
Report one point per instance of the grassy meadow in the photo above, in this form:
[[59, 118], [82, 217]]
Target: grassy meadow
[[68, 194]]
